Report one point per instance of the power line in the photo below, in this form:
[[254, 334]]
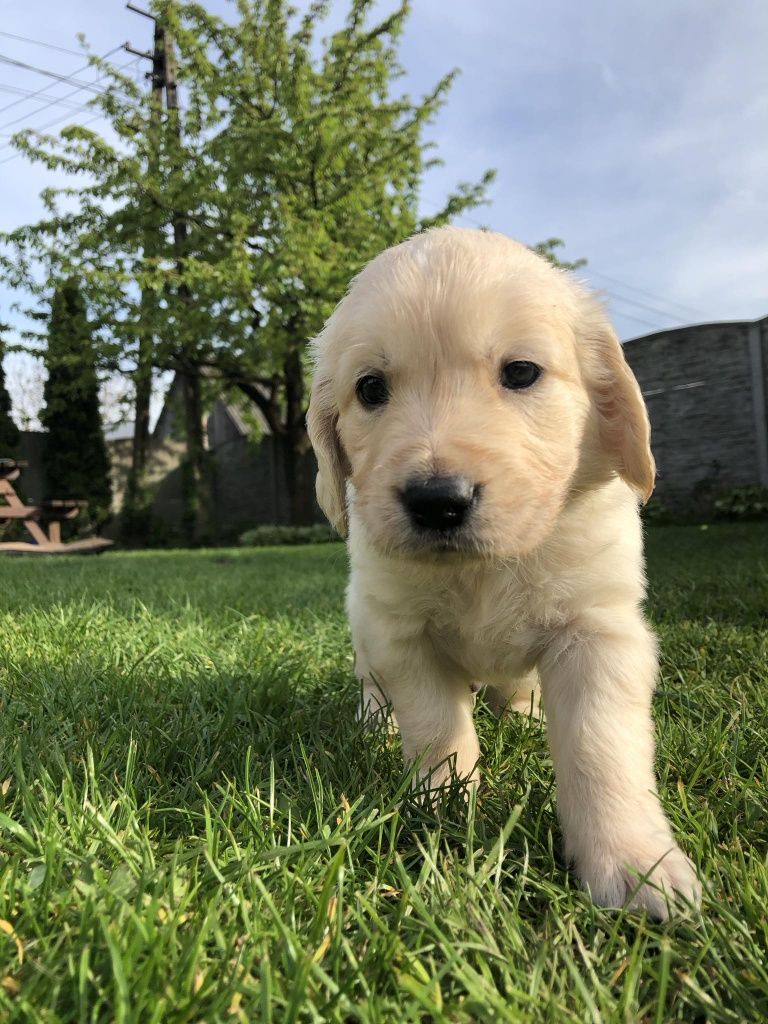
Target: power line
[[688, 310], [39, 42], [68, 78], [667, 313], [71, 108], [14, 90], [638, 319], [8, 136], [58, 99], [42, 71], [44, 127], [57, 120]]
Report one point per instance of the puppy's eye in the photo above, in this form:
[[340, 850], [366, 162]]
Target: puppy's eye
[[519, 374], [372, 390]]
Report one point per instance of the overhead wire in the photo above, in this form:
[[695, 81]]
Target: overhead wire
[[50, 124], [688, 310], [14, 90], [668, 313], [71, 108], [57, 120], [50, 85], [39, 42], [5, 59], [639, 320], [57, 99]]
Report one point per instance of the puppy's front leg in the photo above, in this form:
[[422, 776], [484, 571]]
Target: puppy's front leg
[[434, 710], [597, 684], [431, 700]]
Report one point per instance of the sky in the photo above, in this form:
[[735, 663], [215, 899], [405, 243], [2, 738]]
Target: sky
[[638, 133]]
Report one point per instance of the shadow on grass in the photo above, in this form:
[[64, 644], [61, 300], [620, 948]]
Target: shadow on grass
[[716, 573], [189, 741]]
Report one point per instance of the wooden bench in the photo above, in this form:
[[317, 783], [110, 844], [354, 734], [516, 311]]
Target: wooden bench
[[41, 520]]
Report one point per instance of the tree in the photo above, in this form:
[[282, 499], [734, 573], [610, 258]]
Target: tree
[[284, 174], [9, 432], [218, 239], [322, 164], [76, 461], [548, 248]]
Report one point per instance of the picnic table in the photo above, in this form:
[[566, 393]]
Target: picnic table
[[42, 520]]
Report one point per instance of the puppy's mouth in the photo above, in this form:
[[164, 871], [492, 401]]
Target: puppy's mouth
[[461, 542]]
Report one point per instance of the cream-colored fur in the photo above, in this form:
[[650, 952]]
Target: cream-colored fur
[[545, 583]]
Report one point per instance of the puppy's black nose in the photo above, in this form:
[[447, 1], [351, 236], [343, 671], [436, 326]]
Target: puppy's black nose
[[439, 502]]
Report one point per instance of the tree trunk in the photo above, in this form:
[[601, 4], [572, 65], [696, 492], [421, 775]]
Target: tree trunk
[[299, 479], [135, 513], [301, 505], [195, 492], [288, 427]]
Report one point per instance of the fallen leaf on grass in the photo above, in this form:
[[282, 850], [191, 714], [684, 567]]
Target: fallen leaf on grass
[[7, 927]]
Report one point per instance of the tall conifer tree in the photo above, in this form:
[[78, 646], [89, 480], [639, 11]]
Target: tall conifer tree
[[76, 461], [9, 432]]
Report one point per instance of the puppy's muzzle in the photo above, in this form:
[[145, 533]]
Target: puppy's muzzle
[[439, 504]]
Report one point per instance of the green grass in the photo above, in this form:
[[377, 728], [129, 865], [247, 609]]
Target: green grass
[[194, 828]]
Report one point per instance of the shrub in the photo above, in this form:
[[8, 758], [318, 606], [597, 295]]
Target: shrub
[[709, 505], [269, 536], [656, 511], [742, 503]]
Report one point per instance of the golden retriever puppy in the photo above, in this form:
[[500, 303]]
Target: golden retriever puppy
[[484, 445]]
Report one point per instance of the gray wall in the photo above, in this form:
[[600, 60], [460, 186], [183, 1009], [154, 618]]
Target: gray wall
[[702, 384], [248, 484], [703, 398]]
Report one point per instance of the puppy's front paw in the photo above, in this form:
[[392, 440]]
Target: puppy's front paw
[[659, 879], [432, 783]]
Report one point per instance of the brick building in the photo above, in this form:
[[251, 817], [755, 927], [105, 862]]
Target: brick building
[[705, 387]]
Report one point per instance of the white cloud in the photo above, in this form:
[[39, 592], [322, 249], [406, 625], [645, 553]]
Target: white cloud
[[660, 180]]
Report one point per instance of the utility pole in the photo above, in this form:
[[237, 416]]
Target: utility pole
[[164, 79], [135, 506], [195, 483]]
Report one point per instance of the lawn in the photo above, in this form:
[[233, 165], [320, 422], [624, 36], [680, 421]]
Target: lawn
[[194, 828]]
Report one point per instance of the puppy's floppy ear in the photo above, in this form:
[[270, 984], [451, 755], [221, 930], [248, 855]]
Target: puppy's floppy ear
[[333, 468], [625, 430]]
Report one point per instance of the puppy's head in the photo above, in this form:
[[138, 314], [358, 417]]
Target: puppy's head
[[465, 390]]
